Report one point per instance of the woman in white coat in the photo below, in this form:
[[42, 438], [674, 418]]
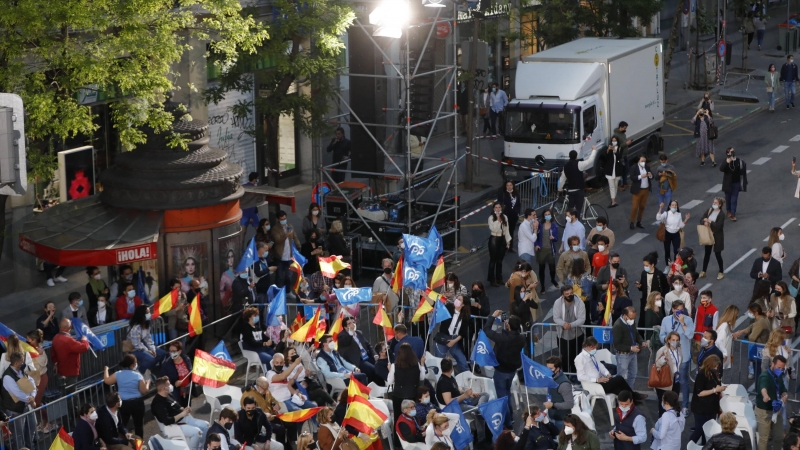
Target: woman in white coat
[[775, 242], [725, 334], [669, 354], [438, 429], [673, 224]]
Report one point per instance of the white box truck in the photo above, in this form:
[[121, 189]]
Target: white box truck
[[573, 96]]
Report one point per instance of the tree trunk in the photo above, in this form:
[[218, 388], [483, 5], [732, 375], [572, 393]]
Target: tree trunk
[[673, 37], [272, 151]]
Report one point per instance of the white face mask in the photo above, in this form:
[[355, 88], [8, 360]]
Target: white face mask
[[629, 322], [782, 237], [678, 287], [101, 305], [568, 430], [641, 164], [658, 303], [98, 277], [450, 285], [315, 212], [93, 415], [601, 248]]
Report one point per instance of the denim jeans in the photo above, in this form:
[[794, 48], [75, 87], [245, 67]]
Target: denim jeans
[[502, 385], [283, 276], [440, 351], [22, 435], [627, 368], [292, 407], [732, 197], [771, 96], [528, 258], [194, 430], [760, 36], [788, 86], [665, 198], [684, 371], [147, 361]]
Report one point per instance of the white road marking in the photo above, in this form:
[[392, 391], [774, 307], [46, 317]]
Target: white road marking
[[691, 204], [780, 148], [715, 189], [761, 161], [795, 139], [548, 316], [739, 321], [739, 261], [636, 238], [788, 222], [795, 342], [705, 287], [749, 171]]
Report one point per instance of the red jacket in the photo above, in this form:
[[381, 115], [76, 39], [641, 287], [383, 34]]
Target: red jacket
[[700, 319], [122, 306], [67, 354]]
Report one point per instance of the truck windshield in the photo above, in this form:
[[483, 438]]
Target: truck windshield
[[542, 124]]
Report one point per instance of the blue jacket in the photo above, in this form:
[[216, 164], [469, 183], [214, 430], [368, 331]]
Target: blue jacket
[[169, 370], [789, 72], [553, 230], [416, 343], [84, 436]]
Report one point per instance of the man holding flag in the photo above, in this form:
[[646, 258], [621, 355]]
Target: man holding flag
[[66, 353], [508, 345]]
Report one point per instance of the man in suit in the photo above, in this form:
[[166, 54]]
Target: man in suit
[[356, 349], [284, 237], [400, 337], [75, 308], [766, 269], [110, 428]]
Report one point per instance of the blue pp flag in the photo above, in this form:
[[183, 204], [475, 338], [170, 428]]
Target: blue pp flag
[[415, 276], [482, 352], [140, 290], [351, 296], [434, 236], [277, 306], [249, 256], [460, 434], [221, 352], [440, 313], [494, 412], [81, 330], [537, 375], [419, 251], [298, 257]]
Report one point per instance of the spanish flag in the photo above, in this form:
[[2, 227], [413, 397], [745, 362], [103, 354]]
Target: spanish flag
[[309, 330], [331, 265], [364, 444], [5, 332], [63, 441], [607, 312], [397, 278], [165, 304], [438, 274], [356, 389], [298, 322], [299, 416], [195, 320], [321, 327], [423, 308], [211, 371], [337, 327], [137, 444], [295, 267], [435, 296], [363, 415], [382, 319]]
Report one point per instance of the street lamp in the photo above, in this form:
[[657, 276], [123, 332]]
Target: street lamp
[[390, 17]]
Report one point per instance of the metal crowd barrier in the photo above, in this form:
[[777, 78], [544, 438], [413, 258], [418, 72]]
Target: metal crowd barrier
[[539, 191]]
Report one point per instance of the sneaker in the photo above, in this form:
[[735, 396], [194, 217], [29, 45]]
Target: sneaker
[[631, 225], [733, 218], [639, 225], [61, 279], [720, 276], [702, 275], [787, 106], [685, 412], [728, 213], [713, 164], [702, 163], [50, 282], [750, 376]]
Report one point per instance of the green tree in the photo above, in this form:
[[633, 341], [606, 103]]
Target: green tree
[[304, 52], [554, 23], [615, 17], [49, 51]]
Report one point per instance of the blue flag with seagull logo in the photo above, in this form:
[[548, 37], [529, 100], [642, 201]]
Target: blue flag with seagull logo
[[537, 375], [482, 352], [494, 413]]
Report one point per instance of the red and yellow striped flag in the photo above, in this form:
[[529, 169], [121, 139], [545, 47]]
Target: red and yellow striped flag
[[397, 278], [63, 441], [164, 304], [356, 389], [381, 318], [607, 312], [299, 416], [309, 330], [423, 308], [331, 265], [195, 320], [437, 279], [298, 270], [211, 371], [363, 415], [299, 320], [337, 327]]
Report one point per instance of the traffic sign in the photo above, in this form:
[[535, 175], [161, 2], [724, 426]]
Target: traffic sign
[[721, 49]]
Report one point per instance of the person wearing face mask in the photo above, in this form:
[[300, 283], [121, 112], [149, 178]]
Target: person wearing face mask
[[355, 348], [776, 345], [612, 271], [453, 334], [546, 247], [600, 229], [669, 427], [331, 363], [715, 221], [66, 353], [569, 313], [453, 287], [670, 356], [571, 253], [285, 239], [600, 256], [499, 242], [678, 293], [508, 196], [641, 185], [526, 241], [101, 314], [479, 302], [621, 134], [582, 282], [652, 279], [539, 431], [630, 427], [312, 248], [771, 80], [438, 428], [707, 315], [262, 233], [775, 241], [15, 400], [783, 304], [734, 180], [127, 303], [709, 348], [132, 388], [702, 121], [75, 308], [766, 269], [573, 179], [577, 436], [590, 370], [653, 315], [727, 322], [673, 226], [424, 405], [254, 428], [406, 426], [222, 427], [382, 286], [573, 228], [771, 400], [96, 286], [263, 270], [144, 348], [177, 368], [314, 221], [628, 343], [85, 435], [611, 162], [789, 76], [681, 323], [254, 339], [125, 276], [561, 400], [757, 332], [667, 179], [110, 428], [498, 100], [522, 276], [340, 147], [168, 412], [508, 345]]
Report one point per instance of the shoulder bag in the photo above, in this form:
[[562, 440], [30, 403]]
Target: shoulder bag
[[659, 378], [661, 234], [704, 233]]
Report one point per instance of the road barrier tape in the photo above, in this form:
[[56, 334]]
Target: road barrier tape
[[472, 213], [506, 163]]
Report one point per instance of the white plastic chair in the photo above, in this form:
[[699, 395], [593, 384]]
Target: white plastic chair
[[434, 366], [167, 444], [603, 355], [466, 380], [735, 390], [171, 432], [580, 403], [596, 391], [212, 396], [252, 361], [586, 419], [711, 428], [376, 391], [691, 445], [745, 417], [337, 386]]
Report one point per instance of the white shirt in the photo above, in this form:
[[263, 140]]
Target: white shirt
[[527, 238], [764, 266], [455, 324], [589, 368], [643, 177], [683, 296], [724, 343], [672, 221], [279, 389], [777, 252], [574, 229], [498, 229]]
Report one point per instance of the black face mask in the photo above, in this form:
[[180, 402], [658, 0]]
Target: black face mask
[[387, 271], [294, 358], [228, 426], [476, 293], [277, 369], [250, 413], [615, 265], [570, 298]]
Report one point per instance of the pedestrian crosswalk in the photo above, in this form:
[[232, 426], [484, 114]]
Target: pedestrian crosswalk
[[761, 161], [716, 188], [780, 149], [635, 238]]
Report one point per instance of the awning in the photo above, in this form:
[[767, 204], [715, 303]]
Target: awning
[[86, 232], [256, 195]]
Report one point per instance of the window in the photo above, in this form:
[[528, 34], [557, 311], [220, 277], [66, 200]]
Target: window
[[589, 120]]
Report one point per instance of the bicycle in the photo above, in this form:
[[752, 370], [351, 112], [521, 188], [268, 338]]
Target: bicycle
[[589, 213]]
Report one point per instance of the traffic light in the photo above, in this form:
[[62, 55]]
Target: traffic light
[[13, 167]]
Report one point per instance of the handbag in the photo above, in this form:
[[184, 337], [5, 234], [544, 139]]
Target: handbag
[[661, 234], [705, 235], [682, 238], [127, 346], [659, 378], [713, 133], [482, 111]]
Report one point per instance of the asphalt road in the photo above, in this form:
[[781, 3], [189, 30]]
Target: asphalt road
[[766, 142]]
